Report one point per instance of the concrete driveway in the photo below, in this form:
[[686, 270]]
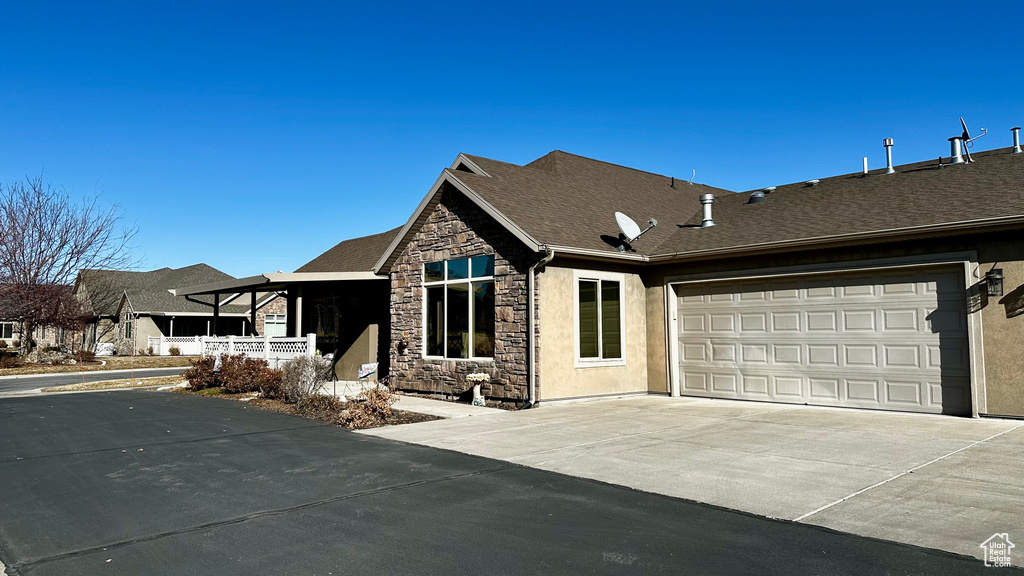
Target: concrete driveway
[[934, 481], [136, 482]]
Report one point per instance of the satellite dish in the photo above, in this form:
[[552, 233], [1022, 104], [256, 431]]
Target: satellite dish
[[967, 140], [627, 226], [630, 230]]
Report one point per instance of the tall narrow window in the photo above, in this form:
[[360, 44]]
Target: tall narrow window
[[599, 318], [459, 308]]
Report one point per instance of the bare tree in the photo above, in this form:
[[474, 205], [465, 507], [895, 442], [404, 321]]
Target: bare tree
[[47, 237]]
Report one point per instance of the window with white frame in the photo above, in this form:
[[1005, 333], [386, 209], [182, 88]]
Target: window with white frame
[[458, 301], [599, 317], [6, 330], [275, 325]]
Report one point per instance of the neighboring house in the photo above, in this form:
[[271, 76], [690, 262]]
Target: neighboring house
[[126, 307], [891, 291], [43, 335]]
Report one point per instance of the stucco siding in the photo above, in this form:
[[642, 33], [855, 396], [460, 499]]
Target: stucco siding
[[559, 375], [657, 341]]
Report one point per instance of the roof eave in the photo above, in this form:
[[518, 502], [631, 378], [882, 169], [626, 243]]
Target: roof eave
[[264, 280], [841, 239]]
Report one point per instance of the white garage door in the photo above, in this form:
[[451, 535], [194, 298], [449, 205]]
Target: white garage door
[[887, 340]]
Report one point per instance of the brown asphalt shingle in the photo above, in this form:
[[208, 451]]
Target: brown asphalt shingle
[[566, 200], [920, 194], [355, 255]]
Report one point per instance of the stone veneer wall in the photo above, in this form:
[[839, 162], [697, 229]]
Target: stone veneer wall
[[279, 305], [457, 228]]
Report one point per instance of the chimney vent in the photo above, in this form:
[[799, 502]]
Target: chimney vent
[[955, 150], [706, 201], [1016, 140], [888, 156]]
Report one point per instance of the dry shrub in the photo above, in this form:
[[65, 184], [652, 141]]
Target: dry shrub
[[9, 361], [240, 373], [174, 351], [303, 377], [85, 356], [324, 407], [201, 375], [371, 408]]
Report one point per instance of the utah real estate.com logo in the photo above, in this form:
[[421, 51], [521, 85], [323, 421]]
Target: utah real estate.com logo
[[997, 550]]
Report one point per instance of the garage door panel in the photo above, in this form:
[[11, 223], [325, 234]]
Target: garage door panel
[[889, 340]]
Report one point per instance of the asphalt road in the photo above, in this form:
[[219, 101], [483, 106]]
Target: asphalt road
[[31, 382], [138, 482]]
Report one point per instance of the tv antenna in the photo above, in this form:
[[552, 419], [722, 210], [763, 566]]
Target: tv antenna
[[629, 229], [968, 141]]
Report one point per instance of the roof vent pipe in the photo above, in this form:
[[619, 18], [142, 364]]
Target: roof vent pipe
[[706, 201], [1016, 140], [865, 166], [888, 155], [955, 151]]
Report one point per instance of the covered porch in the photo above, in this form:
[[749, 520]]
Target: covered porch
[[348, 313]]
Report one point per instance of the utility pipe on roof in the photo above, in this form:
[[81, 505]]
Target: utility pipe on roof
[[531, 335]]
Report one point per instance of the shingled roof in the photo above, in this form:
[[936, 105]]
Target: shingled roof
[[147, 291], [355, 255], [563, 201], [919, 198]]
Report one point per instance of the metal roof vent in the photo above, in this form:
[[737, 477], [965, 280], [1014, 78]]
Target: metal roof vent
[[888, 156], [1016, 140], [706, 201], [812, 182], [768, 190], [955, 151], [756, 197]]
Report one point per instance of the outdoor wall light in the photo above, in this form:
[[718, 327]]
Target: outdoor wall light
[[994, 282]]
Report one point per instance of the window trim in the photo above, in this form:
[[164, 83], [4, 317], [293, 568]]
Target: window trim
[[596, 276], [424, 284]]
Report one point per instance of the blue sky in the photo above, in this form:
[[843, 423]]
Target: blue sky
[[253, 136]]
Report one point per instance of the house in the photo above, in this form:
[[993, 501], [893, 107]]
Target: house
[[891, 289], [127, 307]]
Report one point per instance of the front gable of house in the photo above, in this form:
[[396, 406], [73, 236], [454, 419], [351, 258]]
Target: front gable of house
[[455, 311]]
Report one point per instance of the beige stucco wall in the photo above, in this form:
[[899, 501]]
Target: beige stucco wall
[[657, 338], [558, 375], [1003, 338], [362, 351]]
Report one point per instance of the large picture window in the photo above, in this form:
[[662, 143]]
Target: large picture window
[[459, 308], [599, 319]]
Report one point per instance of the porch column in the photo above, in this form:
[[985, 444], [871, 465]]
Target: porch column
[[216, 312], [298, 311], [289, 329], [252, 314], [171, 329]]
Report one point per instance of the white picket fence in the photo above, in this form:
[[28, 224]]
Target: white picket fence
[[275, 350]]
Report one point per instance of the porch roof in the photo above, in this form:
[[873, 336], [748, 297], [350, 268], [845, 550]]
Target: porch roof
[[272, 281]]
